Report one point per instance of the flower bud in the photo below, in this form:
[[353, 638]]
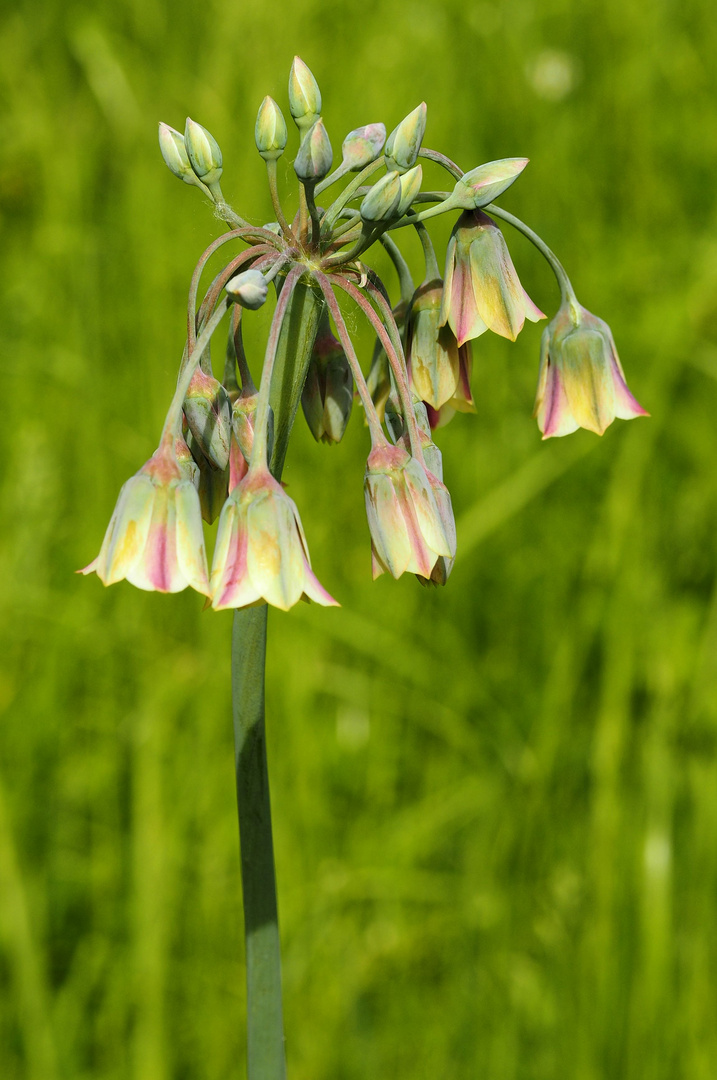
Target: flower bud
[[410, 186], [315, 156], [189, 467], [243, 423], [362, 146], [381, 203], [327, 396], [203, 151], [248, 289], [174, 152], [404, 142], [209, 414], [304, 96], [480, 186], [270, 132], [212, 484]]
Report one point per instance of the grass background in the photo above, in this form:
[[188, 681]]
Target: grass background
[[495, 805]]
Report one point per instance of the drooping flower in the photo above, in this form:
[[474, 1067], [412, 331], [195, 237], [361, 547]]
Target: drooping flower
[[482, 290], [462, 400], [581, 381], [261, 551], [328, 391], [154, 538], [431, 349], [406, 522]]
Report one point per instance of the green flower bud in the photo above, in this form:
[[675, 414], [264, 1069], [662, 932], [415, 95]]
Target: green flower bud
[[410, 186], [209, 414], [248, 289], [362, 146], [404, 142], [480, 186], [313, 161], [203, 151], [174, 152], [381, 203], [270, 131], [304, 96]]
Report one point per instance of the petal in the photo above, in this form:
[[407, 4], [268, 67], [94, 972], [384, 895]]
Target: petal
[[387, 524], [230, 582], [275, 557], [314, 590], [554, 415], [127, 531], [532, 311], [586, 376], [499, 296], [426, 510], [422, 557], [465, 318], [157, 567], [191, 552]]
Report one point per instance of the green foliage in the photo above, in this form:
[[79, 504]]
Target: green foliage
[[495, 804]]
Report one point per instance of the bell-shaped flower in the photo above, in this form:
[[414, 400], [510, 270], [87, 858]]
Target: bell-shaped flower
[[482, 290], [154, 538], [328, 392], [462, 400], [261, 551], [208, 411], [406, 519], [581, 381], [431, 349]]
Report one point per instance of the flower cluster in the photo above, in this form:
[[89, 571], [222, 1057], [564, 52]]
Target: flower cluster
[[223, 444]]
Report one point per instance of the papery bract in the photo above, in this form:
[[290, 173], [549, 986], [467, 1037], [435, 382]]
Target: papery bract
[[261, 551], [581, 381], [154, 538]]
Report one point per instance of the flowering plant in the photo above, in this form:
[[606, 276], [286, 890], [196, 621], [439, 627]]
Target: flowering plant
[[222, 449]]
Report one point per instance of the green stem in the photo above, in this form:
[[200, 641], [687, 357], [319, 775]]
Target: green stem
[[337, 206], [429, 253], [276, 202], [404, 274], [265, 1028]]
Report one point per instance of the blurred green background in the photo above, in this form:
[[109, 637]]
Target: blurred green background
[[495, 805]]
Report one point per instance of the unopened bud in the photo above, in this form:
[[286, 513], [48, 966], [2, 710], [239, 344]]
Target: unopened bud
[[248, 289], [410, 186], [203, 150], [404, 142], [362, 146], [174, 152], [243, 423], [480, 186], [382, 201], [313, 161], [327, 396], [270, 131], [304, 95], [209, 414]]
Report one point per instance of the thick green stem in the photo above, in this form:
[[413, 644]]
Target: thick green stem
[[296, 329], [265, 1028]]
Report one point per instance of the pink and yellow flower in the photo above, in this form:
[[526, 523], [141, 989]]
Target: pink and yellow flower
[[431, 349], [407, 512], [581, 381], [154, 538], [482, 290], [261, 552]]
